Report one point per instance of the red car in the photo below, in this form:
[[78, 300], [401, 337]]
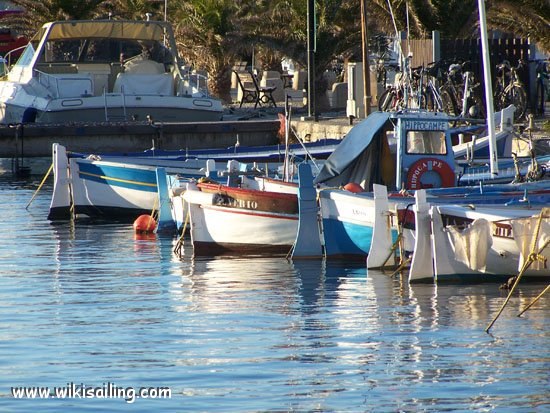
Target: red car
[[9, 40]]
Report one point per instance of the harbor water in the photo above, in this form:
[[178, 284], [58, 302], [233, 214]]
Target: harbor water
[[106, 321]]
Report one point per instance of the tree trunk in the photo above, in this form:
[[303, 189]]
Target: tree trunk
[[321, 97], [219, 84]]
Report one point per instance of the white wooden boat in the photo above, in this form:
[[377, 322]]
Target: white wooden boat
[[229, 220], [465, 243], [104, 70]]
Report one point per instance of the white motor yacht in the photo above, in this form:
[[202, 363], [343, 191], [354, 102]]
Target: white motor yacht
[[104, 71]]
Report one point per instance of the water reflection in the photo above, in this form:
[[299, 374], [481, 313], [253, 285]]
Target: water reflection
[[92, 302]]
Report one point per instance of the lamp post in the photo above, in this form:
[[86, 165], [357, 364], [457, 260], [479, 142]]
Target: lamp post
[[365, 52], [311, 58]]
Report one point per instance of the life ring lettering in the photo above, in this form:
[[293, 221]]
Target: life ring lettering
[[420, 167]]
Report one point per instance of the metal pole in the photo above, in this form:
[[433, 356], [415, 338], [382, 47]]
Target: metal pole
[[493, 161], [311, 58], [366, 65]]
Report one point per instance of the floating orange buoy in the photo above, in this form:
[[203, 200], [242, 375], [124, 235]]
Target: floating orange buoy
[[145, 223], [353, 187]]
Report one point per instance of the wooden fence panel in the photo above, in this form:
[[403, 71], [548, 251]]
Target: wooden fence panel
[[421, 49]]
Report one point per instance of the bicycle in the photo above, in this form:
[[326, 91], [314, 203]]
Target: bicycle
[[438, 98], [401, 95], [509, 90], [473, 105], [458, 85], [542, 85], [394, 97]]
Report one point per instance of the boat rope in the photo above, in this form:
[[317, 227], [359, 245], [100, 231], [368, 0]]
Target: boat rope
[[72, 209], [179, 242], [40, 186], [393, 249], [535, 300], [401, 266], [313, 160], [289, 253], [397, 244], [534, 255], [154, 211]]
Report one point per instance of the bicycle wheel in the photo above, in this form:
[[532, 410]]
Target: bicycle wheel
[[515, 95], [387, 100], [449, 103]]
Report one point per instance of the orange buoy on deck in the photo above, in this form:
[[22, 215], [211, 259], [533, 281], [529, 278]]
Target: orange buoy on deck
[[145, 223], [353, 187]]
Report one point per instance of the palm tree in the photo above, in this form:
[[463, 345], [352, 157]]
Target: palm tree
[[39, 12], [459, 18], [133, 9], [204, 31], [281, 27], [524, 18]]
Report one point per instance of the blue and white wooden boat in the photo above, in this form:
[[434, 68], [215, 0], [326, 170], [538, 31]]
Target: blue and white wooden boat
[[424, 159], [123, 185], [349, 219], [111, 189], [412, 149], [317, 150]]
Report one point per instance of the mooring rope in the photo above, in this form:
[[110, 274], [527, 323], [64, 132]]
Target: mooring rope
[[40, 186]]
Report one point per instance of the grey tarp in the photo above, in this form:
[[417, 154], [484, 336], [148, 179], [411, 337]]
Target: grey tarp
[[354, 145]]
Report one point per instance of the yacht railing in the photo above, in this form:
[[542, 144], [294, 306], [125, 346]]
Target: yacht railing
[[197, 82], [66, 85], [8, 57]]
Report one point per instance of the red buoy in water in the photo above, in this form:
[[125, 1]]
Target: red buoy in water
[[145, 223], [353, 187]]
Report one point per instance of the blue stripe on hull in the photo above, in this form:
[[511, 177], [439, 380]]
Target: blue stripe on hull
[[344, 238], [137, 179]]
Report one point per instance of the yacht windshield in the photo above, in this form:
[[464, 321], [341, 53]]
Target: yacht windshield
[[26, 56], [100, 50]]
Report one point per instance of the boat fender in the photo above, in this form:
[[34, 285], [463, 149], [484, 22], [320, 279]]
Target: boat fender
[[145, 224], [420, 167], [353, 187], [29, 115]]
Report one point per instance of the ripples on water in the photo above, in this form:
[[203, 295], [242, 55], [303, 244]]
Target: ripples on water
[[93, 304]]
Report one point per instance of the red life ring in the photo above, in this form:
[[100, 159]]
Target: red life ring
[[420, 167]]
